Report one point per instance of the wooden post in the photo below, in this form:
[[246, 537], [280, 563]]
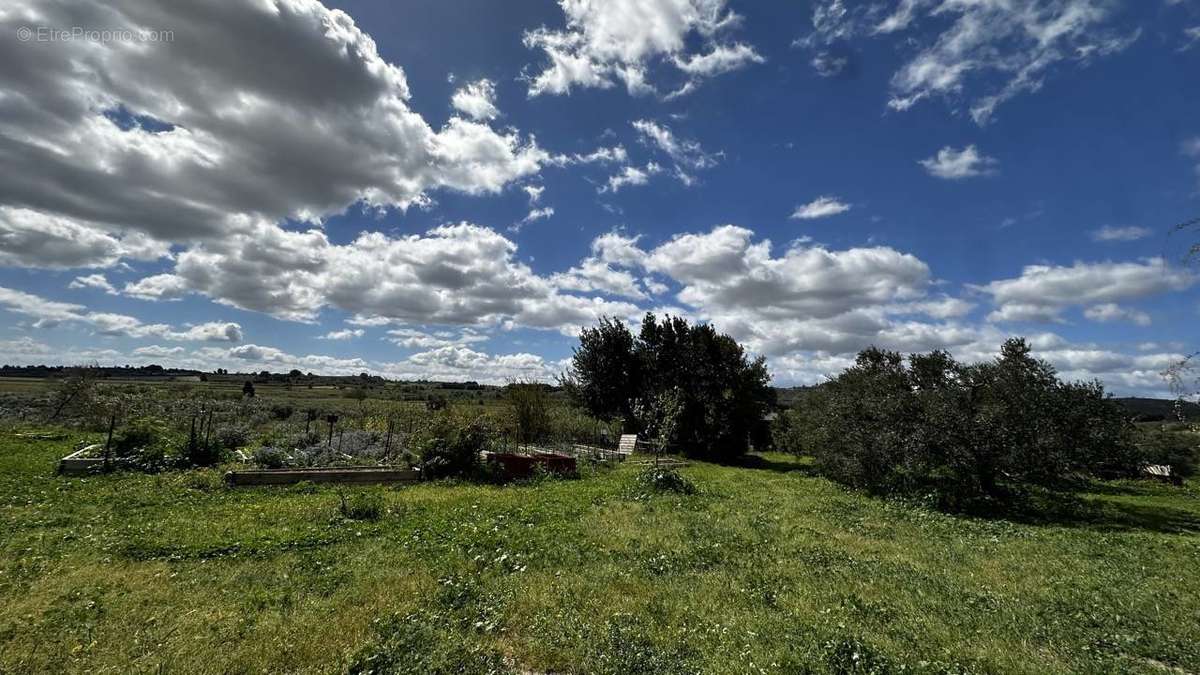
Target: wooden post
[[192, 436], [332, 419], [208, 430], [112, 423]]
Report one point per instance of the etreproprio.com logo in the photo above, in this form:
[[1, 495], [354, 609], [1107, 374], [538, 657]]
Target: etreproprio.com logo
[[83, 34]]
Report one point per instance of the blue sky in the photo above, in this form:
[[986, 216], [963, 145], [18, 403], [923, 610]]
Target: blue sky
[[451, 189]]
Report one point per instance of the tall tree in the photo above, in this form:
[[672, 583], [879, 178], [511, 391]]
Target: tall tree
[[691, 386], [605, 375]]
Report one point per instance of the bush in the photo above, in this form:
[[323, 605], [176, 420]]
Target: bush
[[282, 412], [1177, 449], [270, 458], [573, 425], [452, 445], [933, 426], [795, 430], [659, 480], [361, 504], [200, 449], [139, 436], [232, 438], [529, 404]]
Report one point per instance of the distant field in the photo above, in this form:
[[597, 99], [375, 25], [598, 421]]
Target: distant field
[[300, 395], [768, 569]]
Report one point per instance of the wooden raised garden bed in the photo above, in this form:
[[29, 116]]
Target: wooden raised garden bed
[[347, 475], [81, 462], [522, 466]]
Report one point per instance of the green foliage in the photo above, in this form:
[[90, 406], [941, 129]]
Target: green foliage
[[425, 642], [201, 452], [269, 458], [716, 398], [74, 392], [1178, 448], [232, 437], [139, 436], [933, 426], [663, 418], [625, 648], [452, 444], [796, 429], [571, 424], [529, 404], [661, 480], [688, 385], [203, 480], [606, 373], [366, 504], [282, 411]]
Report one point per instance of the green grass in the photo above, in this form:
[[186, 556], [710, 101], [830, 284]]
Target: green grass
[[765, 569]]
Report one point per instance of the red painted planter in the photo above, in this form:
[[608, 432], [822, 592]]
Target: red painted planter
[[522, 466]]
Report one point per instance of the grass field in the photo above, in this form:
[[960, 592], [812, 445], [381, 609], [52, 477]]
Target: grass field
[[321, 394], [767, 569]]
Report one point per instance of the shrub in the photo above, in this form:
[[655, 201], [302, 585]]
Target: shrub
[[76, 391], [933, 426], [140, 445], [232, 438], [281, 411], [200, 452], [452, 445], [1178, 449], [571, 424], [795, 430], [138, 436], [290, 440], [361, 504], [659, 480], [529, 405], [270, 458]]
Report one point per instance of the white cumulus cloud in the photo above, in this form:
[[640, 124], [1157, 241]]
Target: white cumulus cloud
[[477, 100], [254, 111], [610, 41], [821, 207], [1042, 292], [952, 164]]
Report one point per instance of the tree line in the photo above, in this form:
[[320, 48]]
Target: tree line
[[923, 425]]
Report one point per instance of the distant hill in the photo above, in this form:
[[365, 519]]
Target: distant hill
[[1158, 409]]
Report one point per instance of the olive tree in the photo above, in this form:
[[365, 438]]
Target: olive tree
[[928, 425]]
